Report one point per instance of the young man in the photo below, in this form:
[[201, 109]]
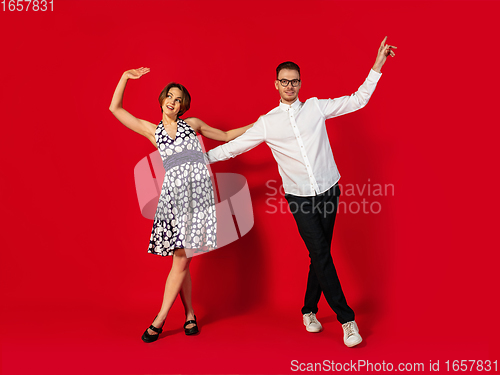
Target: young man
[[296, 133]]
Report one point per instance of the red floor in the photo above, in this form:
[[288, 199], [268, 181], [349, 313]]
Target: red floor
[[91, 340]]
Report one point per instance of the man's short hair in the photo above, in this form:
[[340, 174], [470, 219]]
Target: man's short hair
[[287, 65]]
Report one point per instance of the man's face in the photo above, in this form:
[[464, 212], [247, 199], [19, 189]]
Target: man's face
[[289, 93]]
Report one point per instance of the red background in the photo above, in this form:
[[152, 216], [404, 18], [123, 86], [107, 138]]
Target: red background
[[77, 285]]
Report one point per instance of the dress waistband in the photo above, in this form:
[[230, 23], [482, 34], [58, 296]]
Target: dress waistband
[[185, 156]]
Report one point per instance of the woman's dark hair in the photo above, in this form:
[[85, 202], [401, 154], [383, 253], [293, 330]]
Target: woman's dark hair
[[185, 101], [287, 65]]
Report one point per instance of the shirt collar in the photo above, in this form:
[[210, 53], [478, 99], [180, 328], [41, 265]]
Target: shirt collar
[[295, 105]]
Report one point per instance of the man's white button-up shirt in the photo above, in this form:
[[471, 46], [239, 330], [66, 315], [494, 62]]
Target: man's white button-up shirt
[[298, 139]]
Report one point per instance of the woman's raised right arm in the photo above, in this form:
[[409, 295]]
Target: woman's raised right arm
[[140, 126]]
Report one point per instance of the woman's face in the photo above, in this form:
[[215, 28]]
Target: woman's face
[[172, 103]]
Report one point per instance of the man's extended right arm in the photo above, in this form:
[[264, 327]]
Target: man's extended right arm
[[245, 142]]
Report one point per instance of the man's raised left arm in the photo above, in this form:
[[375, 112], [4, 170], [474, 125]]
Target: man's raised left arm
[[347, 104]]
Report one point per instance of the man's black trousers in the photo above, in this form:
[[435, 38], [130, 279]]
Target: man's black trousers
[[315, 218]]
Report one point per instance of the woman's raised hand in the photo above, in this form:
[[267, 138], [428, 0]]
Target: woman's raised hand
[[136, 73]]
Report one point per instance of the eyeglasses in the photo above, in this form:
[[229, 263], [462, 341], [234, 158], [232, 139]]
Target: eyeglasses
[[285, 82]]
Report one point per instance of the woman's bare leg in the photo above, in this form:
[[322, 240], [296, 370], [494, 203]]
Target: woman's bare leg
[[175, 279], [186, 298]]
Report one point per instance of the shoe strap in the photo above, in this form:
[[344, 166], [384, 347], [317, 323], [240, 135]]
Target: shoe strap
[[190, 322], [157, 330]]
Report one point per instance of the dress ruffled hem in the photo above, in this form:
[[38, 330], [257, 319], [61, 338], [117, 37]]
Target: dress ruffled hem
[[164, 242], [189, 251]]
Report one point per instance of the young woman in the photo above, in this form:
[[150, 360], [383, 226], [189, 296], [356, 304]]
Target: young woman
[[185, 221]]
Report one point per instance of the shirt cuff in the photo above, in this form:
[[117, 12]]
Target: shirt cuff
[[374, 76]]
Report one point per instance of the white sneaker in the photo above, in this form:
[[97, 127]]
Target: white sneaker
[[311, 323], [351, 334]]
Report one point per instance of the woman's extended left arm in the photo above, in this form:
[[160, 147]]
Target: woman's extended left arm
[[219, 135]]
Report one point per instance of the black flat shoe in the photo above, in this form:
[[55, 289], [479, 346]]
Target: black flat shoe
[[192, 330], [146, 337]]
